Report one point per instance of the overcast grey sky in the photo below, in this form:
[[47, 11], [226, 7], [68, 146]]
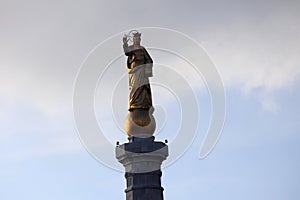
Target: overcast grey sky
[[253, 43]]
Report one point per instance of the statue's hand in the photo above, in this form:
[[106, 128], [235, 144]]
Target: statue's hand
[[124, 39]]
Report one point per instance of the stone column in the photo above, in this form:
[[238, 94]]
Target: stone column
[[142, 159]]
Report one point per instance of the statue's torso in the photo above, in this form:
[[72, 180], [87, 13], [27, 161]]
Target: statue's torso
[[136, 58]]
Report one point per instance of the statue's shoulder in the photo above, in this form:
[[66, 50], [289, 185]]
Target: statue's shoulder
[[142, 47]]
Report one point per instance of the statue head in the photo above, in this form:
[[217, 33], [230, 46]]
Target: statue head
[[136, 38]]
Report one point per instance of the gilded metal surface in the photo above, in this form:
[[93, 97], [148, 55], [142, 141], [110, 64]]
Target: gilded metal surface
[[139, 68]]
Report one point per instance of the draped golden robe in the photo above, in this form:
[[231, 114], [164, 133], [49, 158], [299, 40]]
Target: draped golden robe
[[139, 67]]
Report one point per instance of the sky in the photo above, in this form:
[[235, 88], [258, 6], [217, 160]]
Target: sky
[[253, 44]]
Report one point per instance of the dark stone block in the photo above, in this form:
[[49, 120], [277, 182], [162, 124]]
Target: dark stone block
[[142, 145], [138, 154], [144, 186]]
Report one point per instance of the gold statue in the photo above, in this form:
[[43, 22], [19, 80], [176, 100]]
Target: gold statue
[[139, 67]]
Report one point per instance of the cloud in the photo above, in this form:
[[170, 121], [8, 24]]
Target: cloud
[[255, 46], [26, 131], [258, 53]]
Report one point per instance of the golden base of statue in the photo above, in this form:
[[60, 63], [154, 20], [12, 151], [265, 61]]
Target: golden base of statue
[[140, 123]]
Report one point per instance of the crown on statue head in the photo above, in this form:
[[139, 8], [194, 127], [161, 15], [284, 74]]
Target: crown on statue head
[[136, 34]]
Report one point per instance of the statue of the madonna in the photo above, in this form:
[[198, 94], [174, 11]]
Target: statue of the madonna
[[139, 67]]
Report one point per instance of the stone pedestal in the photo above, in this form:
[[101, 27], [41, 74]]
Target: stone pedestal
[[142, 159]]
